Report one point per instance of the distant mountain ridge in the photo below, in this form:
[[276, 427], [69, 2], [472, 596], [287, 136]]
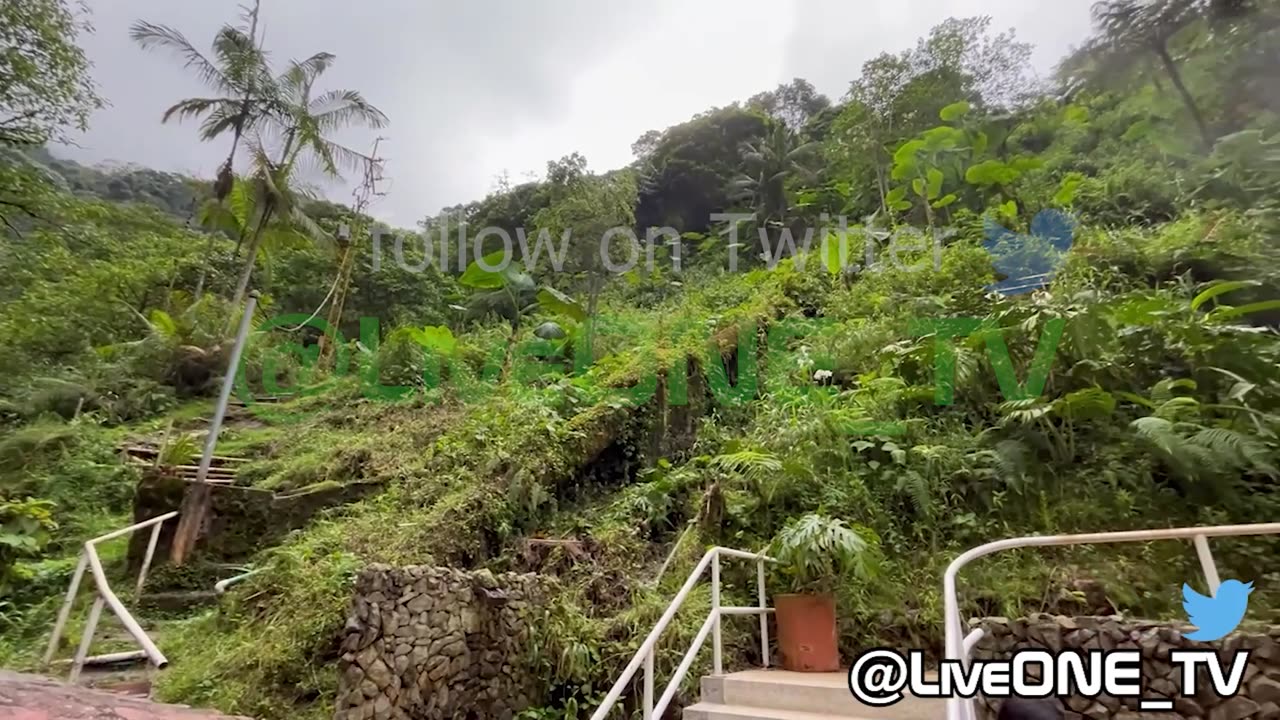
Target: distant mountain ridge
[[171, 192]]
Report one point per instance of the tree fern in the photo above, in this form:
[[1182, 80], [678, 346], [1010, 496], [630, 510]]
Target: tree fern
[[1235, 449], [749, 463]]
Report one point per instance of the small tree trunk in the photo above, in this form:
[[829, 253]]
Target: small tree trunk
[[249, 262], [204, 269], [881, 186], [343, 281], [195, 507], [1175, 76]]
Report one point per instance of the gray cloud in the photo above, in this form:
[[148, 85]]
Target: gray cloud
[[476, 87]]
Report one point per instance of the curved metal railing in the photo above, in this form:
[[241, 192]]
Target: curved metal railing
[[645, 655], [958, 647]]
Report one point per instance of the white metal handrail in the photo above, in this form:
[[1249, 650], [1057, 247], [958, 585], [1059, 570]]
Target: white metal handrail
[[645, 655], [89, 560], [958, 648]]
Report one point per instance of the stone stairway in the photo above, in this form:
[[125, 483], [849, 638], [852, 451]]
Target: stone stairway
[[781, 695]]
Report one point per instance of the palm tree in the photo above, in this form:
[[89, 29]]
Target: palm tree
[[301, 122], [236, 71], [770, 162], [238, 215], [1130, 28]]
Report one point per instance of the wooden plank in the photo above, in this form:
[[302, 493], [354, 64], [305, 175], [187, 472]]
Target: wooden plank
[[151, 452]]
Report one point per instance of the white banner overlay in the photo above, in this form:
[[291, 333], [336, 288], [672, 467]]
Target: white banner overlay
[[881, 677]]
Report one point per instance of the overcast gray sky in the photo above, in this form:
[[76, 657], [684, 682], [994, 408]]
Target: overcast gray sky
[[477, 87]]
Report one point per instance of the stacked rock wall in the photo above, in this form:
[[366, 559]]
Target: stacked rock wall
[[1259, 697], [438, 643]]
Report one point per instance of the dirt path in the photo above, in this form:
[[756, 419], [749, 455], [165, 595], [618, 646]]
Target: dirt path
[[31, 697]]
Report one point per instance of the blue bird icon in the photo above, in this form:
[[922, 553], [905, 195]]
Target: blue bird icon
[[1216, 616], [1028, 261]]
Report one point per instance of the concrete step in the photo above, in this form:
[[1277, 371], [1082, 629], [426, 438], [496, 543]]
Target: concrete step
[[823, 694], [713, 711]]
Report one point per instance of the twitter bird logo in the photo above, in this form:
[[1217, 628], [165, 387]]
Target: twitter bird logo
[[1218, 615], [1026, 262]]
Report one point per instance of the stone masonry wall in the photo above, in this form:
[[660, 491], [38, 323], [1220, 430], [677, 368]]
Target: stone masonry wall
[[1259, 697], [438, 643]]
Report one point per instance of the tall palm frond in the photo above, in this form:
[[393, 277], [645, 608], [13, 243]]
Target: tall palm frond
[[303, 122], [237, 70], [151, 36], [771, 163]]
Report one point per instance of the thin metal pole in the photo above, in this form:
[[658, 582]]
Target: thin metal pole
[[716, 648], [146, 560], [652, 639], [112, 658], [222, 585], [1207, 564], [193, 504], [683, 668], [764, 618], [65, 612], [228, 383], [95, 613], [134, 527], [648, 686]]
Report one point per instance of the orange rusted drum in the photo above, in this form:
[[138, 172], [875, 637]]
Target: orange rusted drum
[[807, 637]]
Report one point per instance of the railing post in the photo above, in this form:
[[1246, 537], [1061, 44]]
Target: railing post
[[1207, 564], [717, 648], [146, 560], [65, 612], [764, 618], [86, 639], [648, 686], [106, 595]]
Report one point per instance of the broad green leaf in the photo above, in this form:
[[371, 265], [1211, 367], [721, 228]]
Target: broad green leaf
[[918, 186], [438, 338], [901, 205], [1026, 163], [904, 170], [991, 172], [1010, 209], [907, 152], [481, 279], [1066, 194], [806, 198], [1075, 115], [834, 256], [942, 138], [954, 111], [1221, 289], [947, 201], [557, 302], [935, 183], [1136, 399], [896, 195], [1231, 313], [980, 143]]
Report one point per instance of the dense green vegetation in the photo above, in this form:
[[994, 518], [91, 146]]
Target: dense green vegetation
[[1159, 403]]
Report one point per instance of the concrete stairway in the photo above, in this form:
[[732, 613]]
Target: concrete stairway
[[781, 695]]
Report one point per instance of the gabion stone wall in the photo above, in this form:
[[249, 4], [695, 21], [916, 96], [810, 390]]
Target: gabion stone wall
[[1259, 697], [426, 642]]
